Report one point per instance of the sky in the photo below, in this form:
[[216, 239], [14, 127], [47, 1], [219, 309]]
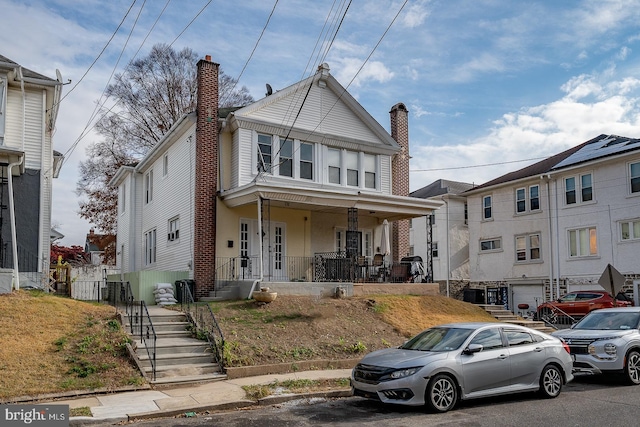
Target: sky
[[491, 85]]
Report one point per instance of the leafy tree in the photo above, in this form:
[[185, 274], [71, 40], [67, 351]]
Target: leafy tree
[[151, 95]]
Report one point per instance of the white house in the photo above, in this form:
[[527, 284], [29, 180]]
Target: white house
[[442, 238], [29, 105], [554, 226], [283, 189]]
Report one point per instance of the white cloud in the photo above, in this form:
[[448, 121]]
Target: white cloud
[[415, 14]]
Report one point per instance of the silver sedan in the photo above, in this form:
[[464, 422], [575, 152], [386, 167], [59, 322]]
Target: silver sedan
[[464, 361]]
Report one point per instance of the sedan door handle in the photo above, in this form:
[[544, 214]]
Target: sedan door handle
[[538, 349], [503, 356]]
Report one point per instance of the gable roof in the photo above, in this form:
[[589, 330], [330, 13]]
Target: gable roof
[[440, 187], [8, 63], [316, 109]]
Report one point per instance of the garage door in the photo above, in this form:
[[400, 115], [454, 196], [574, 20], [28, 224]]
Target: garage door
[[526, 294]]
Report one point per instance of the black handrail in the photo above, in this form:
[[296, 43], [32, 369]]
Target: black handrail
[[555, 317], [203, 321], [148, 336]]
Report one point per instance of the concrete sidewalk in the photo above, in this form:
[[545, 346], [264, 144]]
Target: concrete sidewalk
[[167, 402]]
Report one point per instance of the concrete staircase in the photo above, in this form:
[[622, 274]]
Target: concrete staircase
[[180, 358], [503, 315]]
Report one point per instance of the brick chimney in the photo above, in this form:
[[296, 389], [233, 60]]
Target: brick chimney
[[206, 178], [400, 174]]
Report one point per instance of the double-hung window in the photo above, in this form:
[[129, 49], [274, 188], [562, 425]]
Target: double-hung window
[[333, 159], [583, 242], [486, 208], [264, 153], [351, 161], [528, 200], [306, 160], [148, 186], [150, 247], [173, 229], [165, 165], [370, 171], [578, 189], [285, 162], [634, 175], [528, 247], [630, 230]]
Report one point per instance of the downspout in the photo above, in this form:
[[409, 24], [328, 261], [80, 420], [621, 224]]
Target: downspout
[[546, 180], [448, 259], [557, 241], [14, 242], [260, 263]]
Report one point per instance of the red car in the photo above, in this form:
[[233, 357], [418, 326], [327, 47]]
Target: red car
[[579, 303]]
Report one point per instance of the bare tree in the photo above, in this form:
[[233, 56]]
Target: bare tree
[[151, 95]]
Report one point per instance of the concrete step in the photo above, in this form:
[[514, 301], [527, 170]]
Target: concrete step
[[176, 345], [170, 326], [188, 379], [190, 369], [175, 358]]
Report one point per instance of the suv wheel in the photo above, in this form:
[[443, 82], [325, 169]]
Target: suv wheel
[[632, 367]]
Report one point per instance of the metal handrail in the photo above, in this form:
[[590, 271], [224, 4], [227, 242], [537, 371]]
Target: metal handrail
[[203, 321], [148, 336], [556, 317]]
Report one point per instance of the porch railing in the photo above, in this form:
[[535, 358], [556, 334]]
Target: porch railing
[[556, 317], [322, 267]]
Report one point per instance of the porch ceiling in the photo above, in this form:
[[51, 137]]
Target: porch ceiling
[[382, 206]]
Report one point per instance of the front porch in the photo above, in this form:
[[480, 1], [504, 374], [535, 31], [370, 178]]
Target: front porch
[[322, 267]]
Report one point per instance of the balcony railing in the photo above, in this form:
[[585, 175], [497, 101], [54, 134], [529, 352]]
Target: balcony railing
[[322, 267]]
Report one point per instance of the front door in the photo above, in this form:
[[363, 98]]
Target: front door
[[273, 250]]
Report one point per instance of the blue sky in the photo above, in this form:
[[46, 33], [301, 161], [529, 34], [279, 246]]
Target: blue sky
[[491, 85]]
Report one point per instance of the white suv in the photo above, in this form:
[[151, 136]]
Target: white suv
[[606, 341]]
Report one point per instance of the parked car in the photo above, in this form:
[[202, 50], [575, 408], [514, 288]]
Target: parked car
[[606, 341], [579, 303], [456, 361]]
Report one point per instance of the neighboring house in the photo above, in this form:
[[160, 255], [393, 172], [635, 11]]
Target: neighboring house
[[273, 191], [95, 245], [554, 226], [29, 104], [441, 239]]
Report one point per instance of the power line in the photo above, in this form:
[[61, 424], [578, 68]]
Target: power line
[[476, 166]]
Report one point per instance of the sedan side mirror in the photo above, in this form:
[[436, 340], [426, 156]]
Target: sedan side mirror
[[473, 348]]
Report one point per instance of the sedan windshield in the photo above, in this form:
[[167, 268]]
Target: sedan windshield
[[609, 320], [438, 339]]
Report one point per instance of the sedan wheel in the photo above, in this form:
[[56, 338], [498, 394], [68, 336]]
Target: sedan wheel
[[550, 381], [441, 394], [632, 368]]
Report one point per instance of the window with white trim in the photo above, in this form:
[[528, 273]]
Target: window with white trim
[[630, 230], [528, 200], [370, 171], [285, 160], [148, 186], [165, 164], [306, 160], [634, 176], [583, 242], [434, 249], [486, 207], [351, 163], [333, 160], [264, 153], [578, 189], [150, 247], [123, 197], [490, 245], [528, 247], [173, 229]]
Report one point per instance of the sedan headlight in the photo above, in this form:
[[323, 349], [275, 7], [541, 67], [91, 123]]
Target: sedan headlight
[[402, 373]]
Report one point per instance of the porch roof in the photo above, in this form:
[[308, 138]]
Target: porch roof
[[382, 206]]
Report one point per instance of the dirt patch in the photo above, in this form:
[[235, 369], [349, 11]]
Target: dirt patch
[[300, 328], [295, 328]]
